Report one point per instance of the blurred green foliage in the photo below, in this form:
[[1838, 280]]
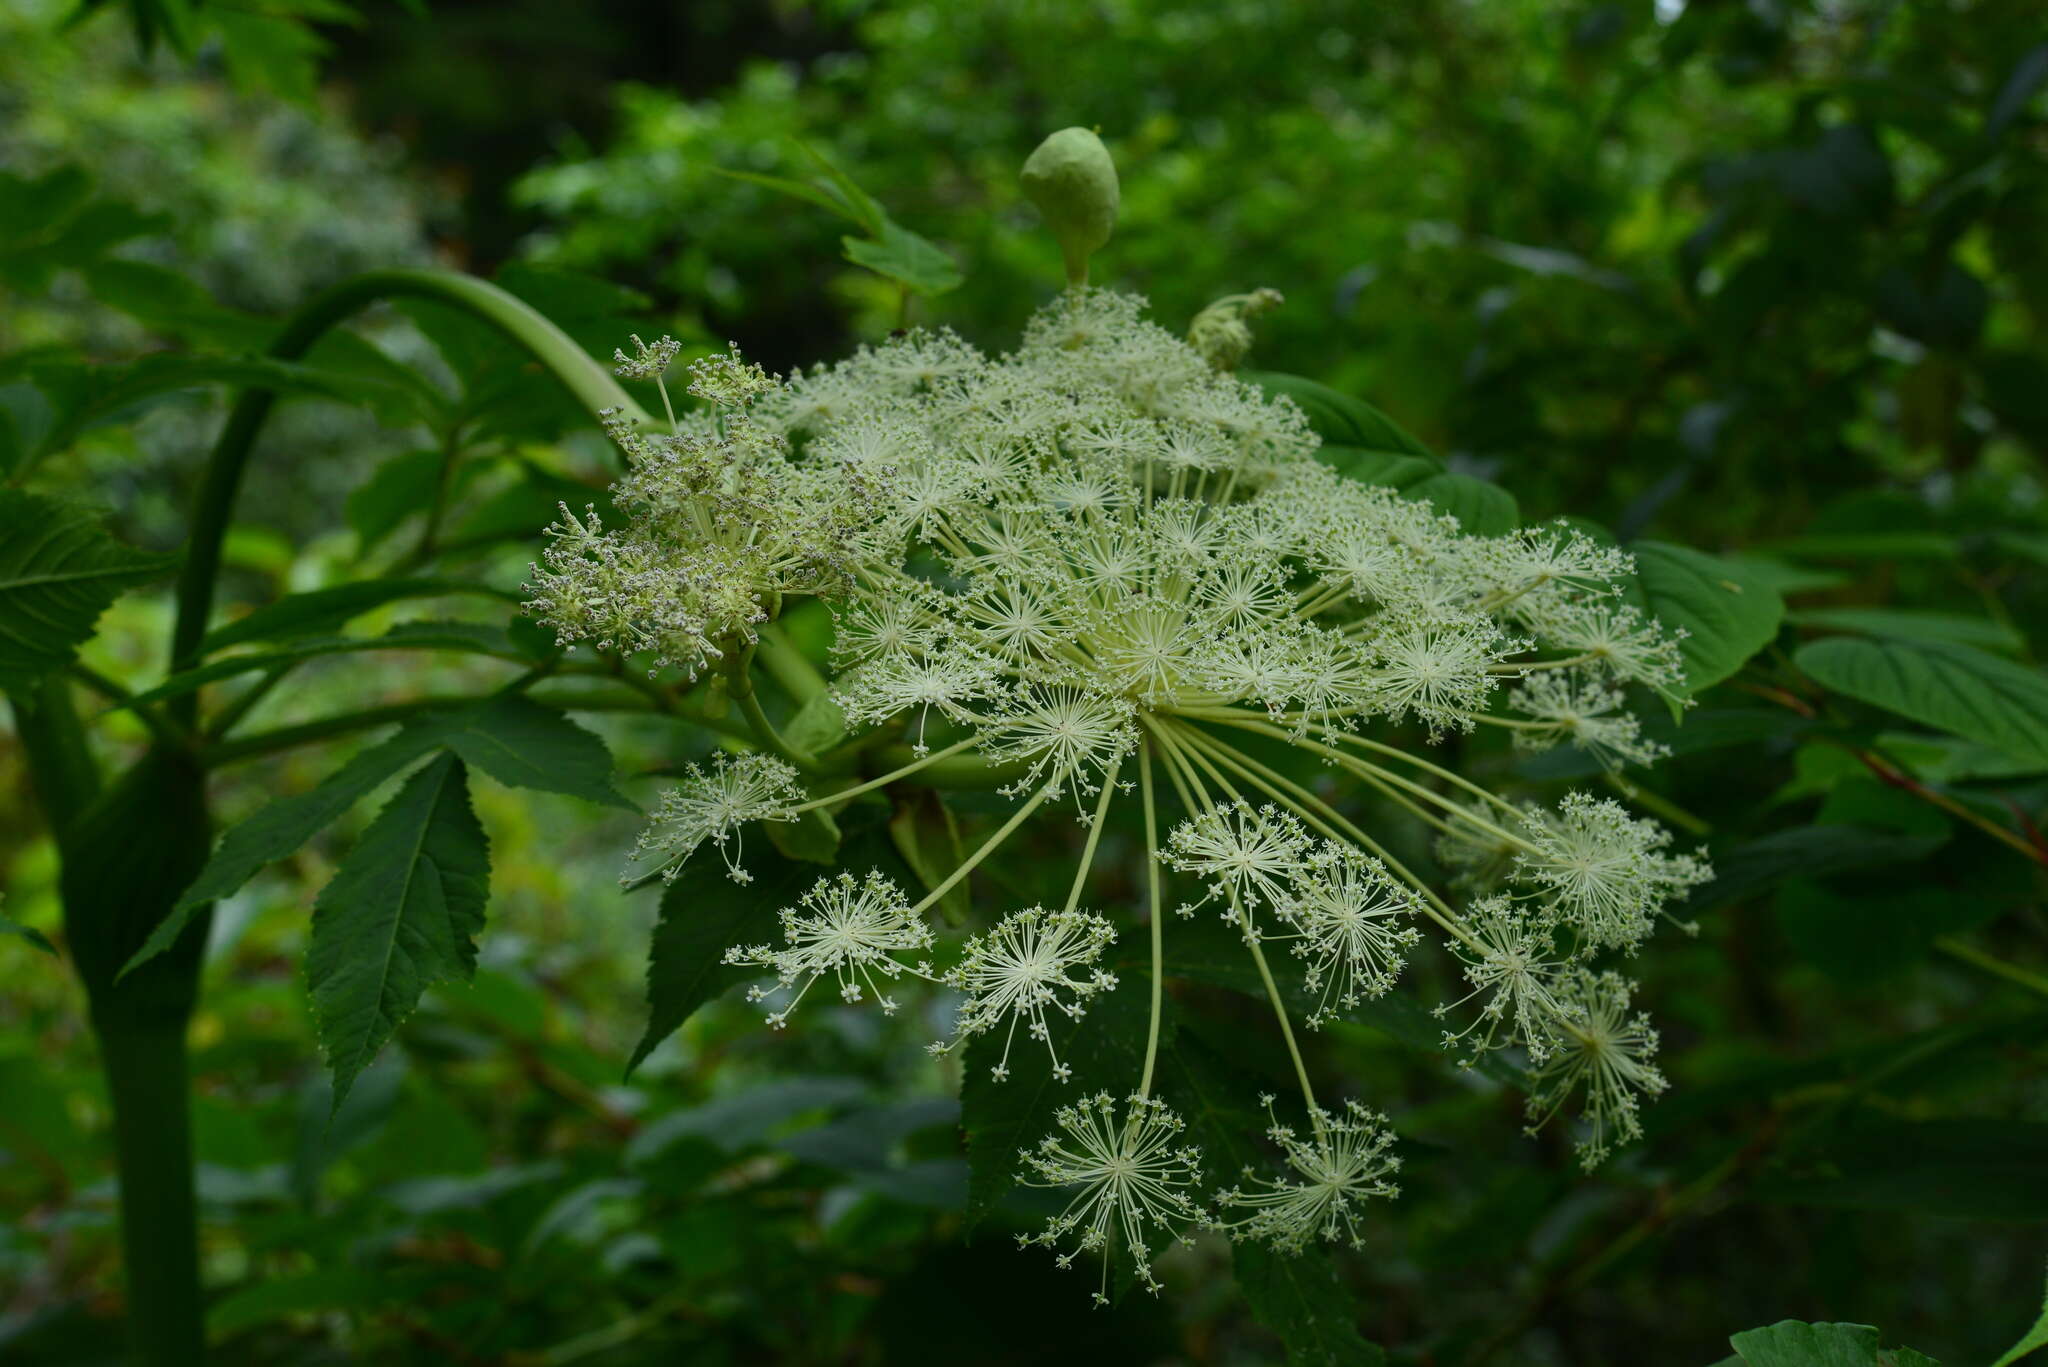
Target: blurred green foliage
[[1763, 278]]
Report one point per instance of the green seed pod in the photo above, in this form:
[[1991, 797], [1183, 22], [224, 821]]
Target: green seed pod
[[1073, 182]]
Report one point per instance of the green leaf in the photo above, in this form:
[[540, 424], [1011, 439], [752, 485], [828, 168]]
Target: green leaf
[[1301, 1299], [400, 487], [29, 933], [1106, 1050], [2034, 1339], [817, 726], [173, 302], [1914, 624], [327, 1289], [928, 838], [278, 829], [1391, 468], [1867, 929], [524, 744], [36, 210], [904, 256], [1482, 509], [1948, 687], [401, 914], [1794, 1343], [1903, 545], [1743, 871], [320, 610], [1728, 612], [58, 572], [701, 918], [1340, 419], [515, 740]]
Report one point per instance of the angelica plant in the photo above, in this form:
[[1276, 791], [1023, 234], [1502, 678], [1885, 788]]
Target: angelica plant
[[1109, 577]]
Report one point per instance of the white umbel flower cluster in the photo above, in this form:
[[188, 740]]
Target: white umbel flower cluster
[[1099, 558]]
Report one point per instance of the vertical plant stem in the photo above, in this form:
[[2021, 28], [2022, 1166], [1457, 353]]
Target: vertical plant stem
[[148, 1078]]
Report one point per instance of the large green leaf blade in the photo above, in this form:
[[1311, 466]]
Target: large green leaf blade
[[1794, 1343], [525, 744], [1727, 612], [58, 572], [701, 918], [1951, 688], [1340, 419], [401, 914], [1301, 1299]]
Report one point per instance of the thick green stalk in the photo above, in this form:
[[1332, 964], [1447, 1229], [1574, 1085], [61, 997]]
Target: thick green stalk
[[127, 858], [149, 1079]]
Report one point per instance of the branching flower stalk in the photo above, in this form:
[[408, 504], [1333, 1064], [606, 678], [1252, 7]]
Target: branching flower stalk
[[1099, 548]]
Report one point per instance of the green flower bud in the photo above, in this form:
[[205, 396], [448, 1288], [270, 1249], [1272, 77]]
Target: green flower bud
[[1073, 182], [1222, 331]]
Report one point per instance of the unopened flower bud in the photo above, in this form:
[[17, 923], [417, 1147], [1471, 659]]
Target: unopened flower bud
[[1221, 331], [1073, 182]]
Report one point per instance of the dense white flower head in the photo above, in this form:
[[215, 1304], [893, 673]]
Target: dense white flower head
[[1352, 924], [1343, 1162], [851, 928], [1605, 1060], [1033, 961], [713, 804], [1514, 969], [1250, 858], [1602, 873], [1135, 1182]]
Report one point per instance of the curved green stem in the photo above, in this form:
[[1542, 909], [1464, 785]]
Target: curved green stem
[[591, 384], [1158, 929]]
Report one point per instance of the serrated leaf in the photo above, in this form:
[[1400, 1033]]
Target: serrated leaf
[[1948, 687], [1794, 1343], [701, 918], [524, 744], [905, 257], [1728, 612], [1301, 1299], [401, 914], [278, 829], [321, 610], [58, 573], [515, 740]]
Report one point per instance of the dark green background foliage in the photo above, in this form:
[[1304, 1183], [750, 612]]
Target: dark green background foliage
[[1765, 280]]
